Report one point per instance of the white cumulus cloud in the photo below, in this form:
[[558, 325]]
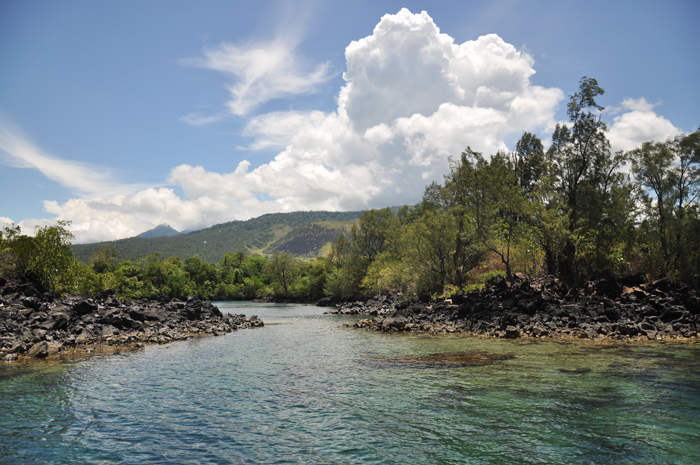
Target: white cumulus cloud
[[639, 124]]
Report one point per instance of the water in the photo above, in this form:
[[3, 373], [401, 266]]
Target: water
[[303, 389]]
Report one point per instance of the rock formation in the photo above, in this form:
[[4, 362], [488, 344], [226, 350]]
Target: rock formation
[[38, 325], [606, 308]]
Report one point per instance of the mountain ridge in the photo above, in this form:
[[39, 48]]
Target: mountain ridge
[[161, 230], [284, 232]]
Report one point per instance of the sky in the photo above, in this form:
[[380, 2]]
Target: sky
[[122, 115]]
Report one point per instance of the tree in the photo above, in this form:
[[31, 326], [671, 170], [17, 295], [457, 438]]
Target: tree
[[347, 268], [429, 243], [669, 176], [232, 269], [587, 180], [53, 257], [105, 259], [686, 180], [464, 196], [16, 252], [374, 233], [529, 162], [651, 165], [284, 267], [502, 219]]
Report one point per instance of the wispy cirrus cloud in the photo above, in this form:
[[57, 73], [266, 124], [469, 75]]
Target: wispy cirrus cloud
[[259, 72], [18, 151]]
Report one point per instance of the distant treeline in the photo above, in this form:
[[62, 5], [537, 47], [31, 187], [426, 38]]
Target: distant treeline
[[574, 211]]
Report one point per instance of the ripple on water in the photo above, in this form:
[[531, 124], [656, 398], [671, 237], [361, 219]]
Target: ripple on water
[[309, 391]]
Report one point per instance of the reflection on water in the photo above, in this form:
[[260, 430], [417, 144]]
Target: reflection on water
[[303, 389]]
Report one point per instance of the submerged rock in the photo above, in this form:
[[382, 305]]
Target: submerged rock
[[442, 359]]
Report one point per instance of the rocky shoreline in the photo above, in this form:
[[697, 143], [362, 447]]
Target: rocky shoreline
[[607, 308], [35, 325]]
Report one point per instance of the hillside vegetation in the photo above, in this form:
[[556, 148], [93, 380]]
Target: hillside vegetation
[[296, 233]]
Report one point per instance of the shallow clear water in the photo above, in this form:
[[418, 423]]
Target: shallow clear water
[[303, 389]]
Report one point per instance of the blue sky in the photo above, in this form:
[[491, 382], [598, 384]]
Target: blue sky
[[121, 115]]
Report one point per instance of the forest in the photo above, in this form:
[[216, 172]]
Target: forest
[[574, 211]]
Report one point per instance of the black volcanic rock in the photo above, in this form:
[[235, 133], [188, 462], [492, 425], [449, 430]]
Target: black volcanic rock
[[42, 326], [606, 308]]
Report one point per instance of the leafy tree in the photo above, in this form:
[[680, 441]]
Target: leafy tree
[[529, 162], [232, 267], [429, 243], [501, 220], [374, 233], [16, 252], [347, 269], [199, 271], [669, 175], [463, 194], [284, 268], [52, 256], [686, 178], [591, 191], [105, 259]]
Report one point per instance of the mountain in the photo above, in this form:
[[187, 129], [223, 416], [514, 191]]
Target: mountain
[[159, 231], [305, 241], [303, 234]]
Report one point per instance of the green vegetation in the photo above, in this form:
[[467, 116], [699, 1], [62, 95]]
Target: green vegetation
[[574, 211], [46, 258]]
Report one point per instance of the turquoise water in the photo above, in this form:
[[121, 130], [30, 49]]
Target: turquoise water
[[303, 389]]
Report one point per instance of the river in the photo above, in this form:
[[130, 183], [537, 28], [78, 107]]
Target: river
[[304, 389]]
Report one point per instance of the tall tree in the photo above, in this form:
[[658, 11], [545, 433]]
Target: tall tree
[[581, 162], [529, 162], [464, 198], [686, 179], [430, 242], [502, 222], [669, 175], [374, 233], [651, 165]]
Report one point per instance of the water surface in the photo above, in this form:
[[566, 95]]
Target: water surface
[[303, 389]]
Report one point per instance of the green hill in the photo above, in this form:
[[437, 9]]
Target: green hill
[[306, 241], [303, 234]]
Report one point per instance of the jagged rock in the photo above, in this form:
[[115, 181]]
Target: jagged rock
[[85, 307], [603, 308], [48, 326], [39, 350]]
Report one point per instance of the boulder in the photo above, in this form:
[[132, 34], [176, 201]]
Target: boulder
[[85, 307], [39, 350]]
